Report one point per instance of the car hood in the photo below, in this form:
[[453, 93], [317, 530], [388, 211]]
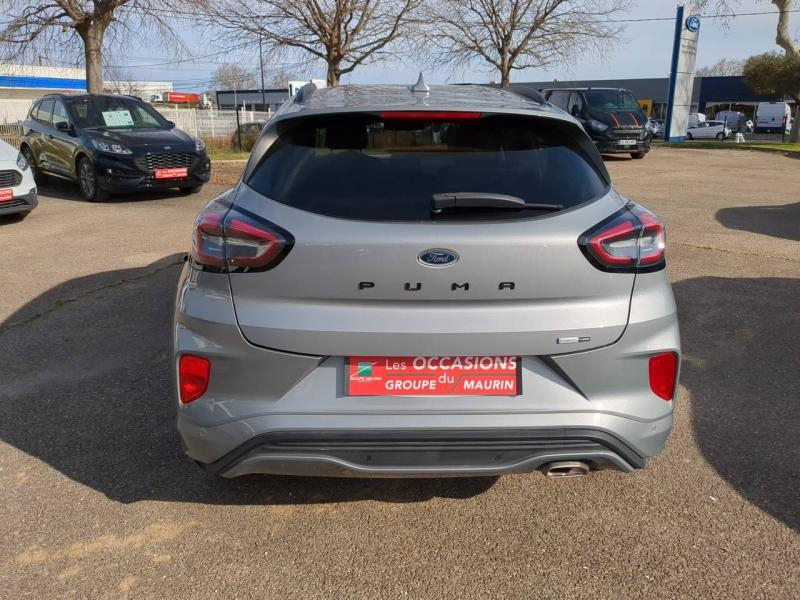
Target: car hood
[[146, 138], [619, 118]]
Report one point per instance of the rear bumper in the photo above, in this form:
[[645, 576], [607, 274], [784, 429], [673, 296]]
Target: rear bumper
[[20, 203], [268, 411], [426, 452]]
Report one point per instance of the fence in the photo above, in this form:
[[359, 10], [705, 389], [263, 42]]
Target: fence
[[209, 124], [13, 111], [11, 133]]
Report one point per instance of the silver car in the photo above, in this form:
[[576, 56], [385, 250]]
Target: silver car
[[414, 281]]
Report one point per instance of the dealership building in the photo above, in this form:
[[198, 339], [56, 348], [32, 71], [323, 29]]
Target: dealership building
[[709, 94], [26, 82]]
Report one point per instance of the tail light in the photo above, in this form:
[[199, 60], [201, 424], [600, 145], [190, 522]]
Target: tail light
[[233, 239], [663, 372], [429, 115], [193, 376], [631, 240]]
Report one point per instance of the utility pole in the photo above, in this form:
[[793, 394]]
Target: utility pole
[[261, 60]]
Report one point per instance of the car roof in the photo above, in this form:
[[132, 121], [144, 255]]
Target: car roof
[[79, 96], [377, 98], [584, 89]]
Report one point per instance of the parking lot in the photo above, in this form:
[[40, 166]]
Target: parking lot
[[98, 500]]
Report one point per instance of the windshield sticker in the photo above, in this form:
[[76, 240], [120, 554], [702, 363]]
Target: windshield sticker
[[117, 118]]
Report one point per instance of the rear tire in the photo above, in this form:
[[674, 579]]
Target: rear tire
[[689, 136], [38, 176], [191, 189], [638, 155], [87, 182]]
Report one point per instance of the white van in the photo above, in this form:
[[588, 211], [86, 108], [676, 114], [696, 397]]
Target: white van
[[696, 118], [773, 117]]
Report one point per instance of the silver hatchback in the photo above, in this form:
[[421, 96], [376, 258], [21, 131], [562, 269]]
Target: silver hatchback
[[418, 282]]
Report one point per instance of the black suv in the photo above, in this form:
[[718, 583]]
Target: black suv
[[611, 116], [111, 144]]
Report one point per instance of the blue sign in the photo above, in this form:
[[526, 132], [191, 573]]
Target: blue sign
[[693, 23]]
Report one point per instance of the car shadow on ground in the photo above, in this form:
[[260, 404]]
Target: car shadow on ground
[[12, 219], [740, 365], [86, 388], [781, 221], [67, 190]]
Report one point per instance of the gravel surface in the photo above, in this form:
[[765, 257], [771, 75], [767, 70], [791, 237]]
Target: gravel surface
[[99, 502]]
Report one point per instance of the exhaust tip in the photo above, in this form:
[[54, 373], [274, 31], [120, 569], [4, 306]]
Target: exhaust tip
[[566, 468]]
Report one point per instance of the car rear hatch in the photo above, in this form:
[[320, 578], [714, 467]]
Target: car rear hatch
[[370, 265]]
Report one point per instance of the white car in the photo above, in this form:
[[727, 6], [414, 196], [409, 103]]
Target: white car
[[709, 130], [17, 188]]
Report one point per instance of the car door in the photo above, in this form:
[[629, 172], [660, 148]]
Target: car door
[[41, 148], [32, 130], [701, 131], [60, 142]]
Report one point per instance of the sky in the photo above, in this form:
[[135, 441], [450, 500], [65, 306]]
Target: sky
[[643, 51]]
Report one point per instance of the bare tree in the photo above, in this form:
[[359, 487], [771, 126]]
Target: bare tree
[[783, 37], [723, 67], [510, 35], [280, 79], [233, 77], [343, 33], [68, 26]]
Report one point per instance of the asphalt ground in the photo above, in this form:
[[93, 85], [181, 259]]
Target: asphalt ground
[[99, 502]]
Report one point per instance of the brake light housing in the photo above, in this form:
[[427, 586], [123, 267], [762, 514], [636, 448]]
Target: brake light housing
[[194, 373], [632, 240], [232, 239], [430, 115], [663, 374]]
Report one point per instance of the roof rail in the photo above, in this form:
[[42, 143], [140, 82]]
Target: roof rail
[[305, 92]]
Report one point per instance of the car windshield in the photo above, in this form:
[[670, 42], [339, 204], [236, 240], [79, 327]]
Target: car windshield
[[611, 100], [387, 169], [115, 113]]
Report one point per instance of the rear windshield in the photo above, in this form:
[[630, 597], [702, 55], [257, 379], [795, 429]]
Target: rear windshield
[[373, 168]]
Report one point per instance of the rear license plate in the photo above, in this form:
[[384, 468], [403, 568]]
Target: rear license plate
[[176, 173], [627, 142], [433, 376], [6, 195]]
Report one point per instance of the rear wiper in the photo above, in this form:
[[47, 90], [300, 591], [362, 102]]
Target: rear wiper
[[484, 200]]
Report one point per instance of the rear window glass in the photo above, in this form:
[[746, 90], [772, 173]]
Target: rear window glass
[[365, 167]]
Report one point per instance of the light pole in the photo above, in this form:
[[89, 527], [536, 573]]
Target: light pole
[[261, 61]]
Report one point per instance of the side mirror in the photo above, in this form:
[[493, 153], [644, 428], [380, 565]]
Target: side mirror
[[64, 126], [171, 124]]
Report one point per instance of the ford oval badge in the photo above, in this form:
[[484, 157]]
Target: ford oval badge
[[437, 257]]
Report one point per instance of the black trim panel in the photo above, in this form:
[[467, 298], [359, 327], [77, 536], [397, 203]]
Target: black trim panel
[[393, 448]]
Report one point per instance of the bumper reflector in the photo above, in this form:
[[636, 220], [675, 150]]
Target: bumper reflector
[[193, 375], [663, 371]]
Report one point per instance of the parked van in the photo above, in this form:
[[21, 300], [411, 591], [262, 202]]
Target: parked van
[[696, 118], [773, 117], [611, 116], [733, 119]]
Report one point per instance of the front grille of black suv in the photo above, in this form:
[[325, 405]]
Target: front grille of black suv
[[151, 162], [10, 179], [627, 133]]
